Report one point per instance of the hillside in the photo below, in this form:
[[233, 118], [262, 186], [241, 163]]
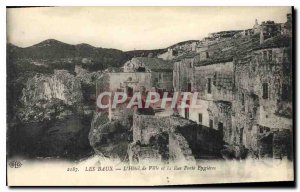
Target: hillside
[[51, 51]]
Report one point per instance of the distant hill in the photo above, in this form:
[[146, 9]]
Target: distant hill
[[52, 51], [53, 54]]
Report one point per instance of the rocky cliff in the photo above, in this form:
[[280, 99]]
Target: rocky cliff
[[45, 96], [53, 115], [111, 138]]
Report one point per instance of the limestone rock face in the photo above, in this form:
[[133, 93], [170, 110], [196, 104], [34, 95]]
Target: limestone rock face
[[48, 95], [55, 113], [85, 76], [98, 121], [61, 85]]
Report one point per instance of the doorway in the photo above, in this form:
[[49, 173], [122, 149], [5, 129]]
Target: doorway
[[220, 128]]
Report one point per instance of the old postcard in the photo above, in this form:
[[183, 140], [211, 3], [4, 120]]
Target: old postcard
[[149, 96]]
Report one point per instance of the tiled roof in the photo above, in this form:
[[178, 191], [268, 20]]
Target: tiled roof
[[275, 42], [239, 48], [155, 64], [186, 56]]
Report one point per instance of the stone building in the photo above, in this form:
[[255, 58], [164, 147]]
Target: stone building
[[223, 34], [273, 65], [263, 87], [128, 83], [214, 84], [256, 27], [183, 72], [286, 28], [245, 106], [160, 70], [212, 78], [244, 85], [269, 29], [245, 88], [169, 55], [124, 82], [180, 49]]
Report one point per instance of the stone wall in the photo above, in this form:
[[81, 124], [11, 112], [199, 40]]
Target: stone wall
[[215, 116], [255, 117], [275, 144], [204, 142], [162, 80], [146, 127], [135, 80], [245, 106], [194, 112], [276, 71], [183, 74], [111, 138], [221, 80], [169, 55]]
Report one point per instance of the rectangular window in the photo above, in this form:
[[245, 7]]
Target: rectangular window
[[230, 132], [160, 76], [220, 126], [189, 87], [241, 135], [265, 91], [270, 55], [211, 123], [186, 113], [200, 117], [186, 110], [209, 85], [261, 130], [207, 55], [265, 55], [220, 129], [286, 92], [242, 98]]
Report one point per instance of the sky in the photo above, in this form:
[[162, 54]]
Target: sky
[[129, 28]]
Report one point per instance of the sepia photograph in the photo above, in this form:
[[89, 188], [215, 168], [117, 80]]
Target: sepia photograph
[[149, 96]]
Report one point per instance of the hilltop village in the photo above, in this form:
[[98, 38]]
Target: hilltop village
[[244, 80]]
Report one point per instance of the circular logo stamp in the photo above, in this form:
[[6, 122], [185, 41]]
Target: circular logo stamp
[[15, 164]]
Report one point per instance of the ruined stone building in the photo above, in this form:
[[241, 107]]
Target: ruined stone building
[[269, 29], [180, 49], [169, 55], [223, 34], [160, 70]]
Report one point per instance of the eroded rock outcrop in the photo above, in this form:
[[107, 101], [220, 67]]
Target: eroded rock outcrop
[[111, 138], [55, 113], [160, 137], [48, 96]]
